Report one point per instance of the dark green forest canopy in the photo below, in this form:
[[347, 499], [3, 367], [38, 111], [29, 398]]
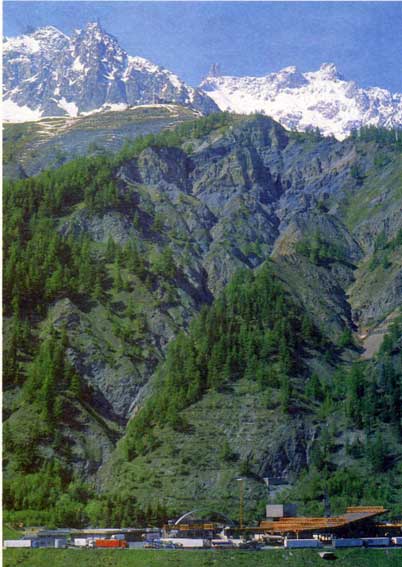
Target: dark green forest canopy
[[39, 264], [252, 330]]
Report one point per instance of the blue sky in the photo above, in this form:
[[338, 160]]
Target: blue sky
[[363, 39]]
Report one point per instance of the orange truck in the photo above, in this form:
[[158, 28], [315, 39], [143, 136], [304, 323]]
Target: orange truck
[[114, 543]]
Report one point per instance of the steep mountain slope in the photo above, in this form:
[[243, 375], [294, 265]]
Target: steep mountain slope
[[32, 147], [109, 258], [334, 105], [249, 393], [47, 73]]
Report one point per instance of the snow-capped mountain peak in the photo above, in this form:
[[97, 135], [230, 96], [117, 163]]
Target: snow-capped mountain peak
[[328, 72], [98, 52], [319, 99], [92, 28], [43, 39], [46, 73]]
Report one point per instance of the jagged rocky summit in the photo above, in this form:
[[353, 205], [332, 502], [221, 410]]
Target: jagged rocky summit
[[47, 73], [299, 101]]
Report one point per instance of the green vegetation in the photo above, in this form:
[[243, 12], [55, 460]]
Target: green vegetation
[[319, 251], [311, 135], [42, 266], [382, 136], [149, 558], [365, 204], [252, 353], [34, 146], [383, 250], [252, 330], [178, 136], [356, 173], [15, 139], [73, 504], [366, 400], [11, 533], [355, 458]]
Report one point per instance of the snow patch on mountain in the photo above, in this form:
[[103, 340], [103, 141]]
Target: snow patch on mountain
[[47, 73], [50, 74], [141, 64], [77, 65], [24, 44], [12, 112], [44, 40], [321, 99], [70, 107]]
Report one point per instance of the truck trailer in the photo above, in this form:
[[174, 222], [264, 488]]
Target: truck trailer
[[301, 543], [111, 543], [81, 542], [376, 541], [17, 543], [184, 542], [347, 542]]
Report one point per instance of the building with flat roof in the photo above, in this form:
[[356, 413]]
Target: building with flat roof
[[275, 511], [356, 519]]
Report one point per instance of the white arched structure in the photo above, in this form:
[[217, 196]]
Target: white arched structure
[[228, 520]]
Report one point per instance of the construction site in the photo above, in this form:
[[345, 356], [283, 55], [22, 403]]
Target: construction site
[[358, 526]]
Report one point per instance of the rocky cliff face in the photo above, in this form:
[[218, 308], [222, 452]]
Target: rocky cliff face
[[226, 199], [47, 73]]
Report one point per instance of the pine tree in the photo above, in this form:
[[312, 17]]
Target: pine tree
[[117, 277], [158, 223], [136, 221], [285, 392], [97, 290], [110, 252], [75, 385]]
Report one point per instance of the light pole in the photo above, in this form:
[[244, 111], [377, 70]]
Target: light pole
[[266, 482], [241, 480]]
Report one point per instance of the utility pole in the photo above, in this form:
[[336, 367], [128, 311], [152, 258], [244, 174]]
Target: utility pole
[[327, 504], [266, 482], [241, 480]]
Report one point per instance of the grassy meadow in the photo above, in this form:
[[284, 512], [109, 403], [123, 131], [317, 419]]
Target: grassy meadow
[[172, 558]]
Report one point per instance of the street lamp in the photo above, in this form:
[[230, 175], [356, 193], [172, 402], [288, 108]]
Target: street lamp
[[241, 480]]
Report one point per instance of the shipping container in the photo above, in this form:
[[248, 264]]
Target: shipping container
[[222, 544], [184, 542], [60, 543], [396, 540], [17, 543], [81, 542], [114, 543], [300, 543], [347, 542], [376, 541]]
